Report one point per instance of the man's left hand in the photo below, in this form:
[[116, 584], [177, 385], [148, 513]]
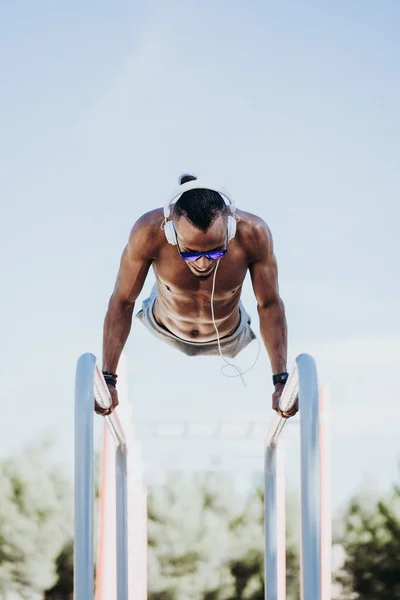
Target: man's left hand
[[276, 396]]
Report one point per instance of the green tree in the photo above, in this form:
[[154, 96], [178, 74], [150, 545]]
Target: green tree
[[63, 588], [371, 543], [35, 520]]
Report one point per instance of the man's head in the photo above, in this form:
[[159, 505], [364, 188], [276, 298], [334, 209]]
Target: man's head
[[200, 219], [199, 206]]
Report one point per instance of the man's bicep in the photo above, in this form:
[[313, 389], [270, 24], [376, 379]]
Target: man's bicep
[[264, 271], [134, 265], [131, 276]]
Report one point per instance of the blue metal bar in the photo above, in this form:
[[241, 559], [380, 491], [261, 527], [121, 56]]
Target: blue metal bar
[[310, 478], [121, 484], [287, 401], [83, 545], [302, 385], [90, 387], [270, 526]]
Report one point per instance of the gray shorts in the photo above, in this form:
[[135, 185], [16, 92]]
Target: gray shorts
[[231, 345]]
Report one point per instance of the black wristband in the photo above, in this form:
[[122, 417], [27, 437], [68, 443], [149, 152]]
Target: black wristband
[[110, 378], [280, 378], [110, 373]]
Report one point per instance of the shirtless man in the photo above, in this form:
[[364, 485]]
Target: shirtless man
[[199, 233]]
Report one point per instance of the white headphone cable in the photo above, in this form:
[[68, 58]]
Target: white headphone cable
[[240, 373]]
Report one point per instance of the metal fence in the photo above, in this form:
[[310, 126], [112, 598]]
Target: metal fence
[[302, 386], [89, 387]]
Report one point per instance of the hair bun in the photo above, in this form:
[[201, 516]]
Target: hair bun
[[186, 177]]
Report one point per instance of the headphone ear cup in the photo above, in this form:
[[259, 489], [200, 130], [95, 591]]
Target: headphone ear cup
[[170, 233], [231, 228]]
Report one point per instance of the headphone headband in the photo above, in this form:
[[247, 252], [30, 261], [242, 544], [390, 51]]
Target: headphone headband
[[195, 185]]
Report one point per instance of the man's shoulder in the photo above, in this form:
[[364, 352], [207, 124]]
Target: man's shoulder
[[254, 236], [150, 220], [147, 232], [252, 228]]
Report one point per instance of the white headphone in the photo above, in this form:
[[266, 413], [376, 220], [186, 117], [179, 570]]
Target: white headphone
[[169, 227]]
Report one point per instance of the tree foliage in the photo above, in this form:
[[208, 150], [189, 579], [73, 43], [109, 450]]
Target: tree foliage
[[35, 520], [371, 543], [63, 588]]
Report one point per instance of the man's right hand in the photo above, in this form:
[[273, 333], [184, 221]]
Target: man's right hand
[[275, 402], [114, 398]]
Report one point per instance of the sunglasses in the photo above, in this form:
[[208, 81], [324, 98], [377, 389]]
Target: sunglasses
[[193, 256], [212, 255]]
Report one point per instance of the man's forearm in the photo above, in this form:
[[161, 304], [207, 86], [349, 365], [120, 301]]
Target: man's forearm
[[117, 326], [273, 330]]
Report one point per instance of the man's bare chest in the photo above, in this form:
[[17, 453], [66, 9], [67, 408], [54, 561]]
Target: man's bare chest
[[175, 276]]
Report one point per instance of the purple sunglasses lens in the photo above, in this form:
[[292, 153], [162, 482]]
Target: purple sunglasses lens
[[193, 256], [216, 254], [190, 256]]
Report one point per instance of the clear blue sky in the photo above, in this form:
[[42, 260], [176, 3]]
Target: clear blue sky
[[291, 106]]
